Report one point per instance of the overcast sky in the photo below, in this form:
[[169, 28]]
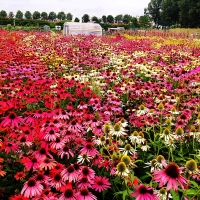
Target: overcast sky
[[78, 7]]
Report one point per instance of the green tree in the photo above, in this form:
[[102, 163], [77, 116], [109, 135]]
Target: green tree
[[85, 18], [110, 19], [127, 19], [3, 13], [144, 21], [61, 15], [77, 19], [44, 16], [95, 19], [69, 16], [19, 14], [119, 18], [134, 22], [11, 15], [28, 15], [170, 12], [104, 19], [189, 13], [36, 15], [153, 11], [52, 16]]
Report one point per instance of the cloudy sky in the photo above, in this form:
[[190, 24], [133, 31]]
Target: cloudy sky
[[77, 7]]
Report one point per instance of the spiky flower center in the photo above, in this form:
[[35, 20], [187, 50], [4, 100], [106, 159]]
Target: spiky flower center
[[68, 193], [70, 169], [126, 160], [117, 127], [85, 171], [191, 165], [127, 147], [172, 171], [84, 192], [166, 131], [121, 167], [143, 190], [12, 116], [159, 158], [31, 182]]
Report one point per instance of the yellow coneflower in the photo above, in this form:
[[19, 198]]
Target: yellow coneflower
[[126, 159], [191, 166], [179, 131]]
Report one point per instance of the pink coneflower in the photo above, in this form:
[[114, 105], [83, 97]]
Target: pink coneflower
[[68, 194], [58, 143], [144, 193], [65, 151], [47, 164], [85, 182], [56, 181], [74, 126], [101, 183], [171, 176], [84, 194], [89, 149], [86, 171], [32, 188], [12, 120], [70, 174]]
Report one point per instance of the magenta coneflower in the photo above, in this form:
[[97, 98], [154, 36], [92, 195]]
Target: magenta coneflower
[[30, 162], [32, 188], [86, 171], [89, 149], [56, 181], [85, 182], [144, 193], [171, 176], [101, 183], [84, 194], [47, 164], [70, 174], [65, 151], [68, 194], [12, 120]]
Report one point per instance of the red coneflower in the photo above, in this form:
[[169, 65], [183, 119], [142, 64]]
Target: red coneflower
[[19, 176], [32, 188], [171, 176], [68, 194]]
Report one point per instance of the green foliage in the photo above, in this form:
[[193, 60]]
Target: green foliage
[[110, 19], [85, 18], [19, 14], [28, 15], [3, 14], [9, 27]]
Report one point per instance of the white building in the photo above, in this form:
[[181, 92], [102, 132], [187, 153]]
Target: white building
[[76, 28]]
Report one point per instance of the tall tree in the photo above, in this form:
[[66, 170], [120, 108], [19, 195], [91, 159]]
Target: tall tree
[[3, 13], [36, 15], [119, 18], [85, 18], [144, 21], [76, 19], [104, 19], [44, 16], [69, 16], [11, 15], [170, 12], [52, 16], [28, 15], [61, 15], [19, 14], [189, 13], [134, 22], [127, 19], [95, 19], [110, 19], [153, 11]]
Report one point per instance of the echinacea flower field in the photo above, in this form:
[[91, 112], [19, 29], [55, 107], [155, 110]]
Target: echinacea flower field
[[98, 118]]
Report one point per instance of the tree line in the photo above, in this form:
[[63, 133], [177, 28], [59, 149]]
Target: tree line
[[184, 13]]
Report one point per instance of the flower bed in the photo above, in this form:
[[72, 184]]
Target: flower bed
[[85, 117]]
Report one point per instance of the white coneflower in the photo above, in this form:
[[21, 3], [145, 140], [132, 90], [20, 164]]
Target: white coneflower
[[142, 110], [155, 164], [118, 130], [145, 147], [122, 170], [127, 149], [167, 135], [83, 157]]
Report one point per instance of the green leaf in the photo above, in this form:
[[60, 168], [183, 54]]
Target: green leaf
[[175, 195], [195, 184], [191, 192]]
